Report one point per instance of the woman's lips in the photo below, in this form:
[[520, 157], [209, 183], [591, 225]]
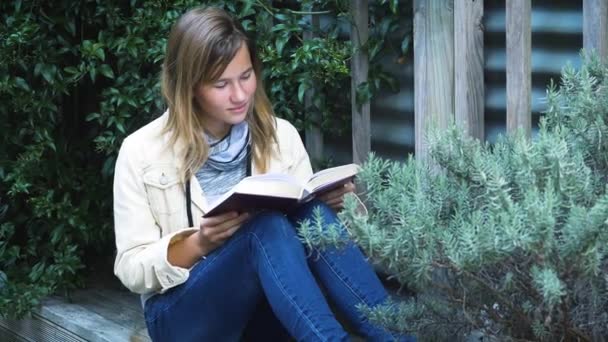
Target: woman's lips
[[239, 109]]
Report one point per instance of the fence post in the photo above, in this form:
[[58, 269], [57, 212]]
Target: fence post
[[595, 27], [468, 67], [519, 78], [433, 68], [359, 67], [313, 135]]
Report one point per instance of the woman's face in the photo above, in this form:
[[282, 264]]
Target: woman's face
[[226, 101]]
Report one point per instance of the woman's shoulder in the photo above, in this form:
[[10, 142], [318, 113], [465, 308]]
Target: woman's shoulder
[[285, 129], [148, 140], [150, 131]]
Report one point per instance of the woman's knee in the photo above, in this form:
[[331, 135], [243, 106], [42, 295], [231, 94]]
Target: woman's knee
[[327, 213], [269, 223]]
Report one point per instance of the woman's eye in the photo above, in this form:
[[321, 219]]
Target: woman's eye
[[220, 85], [246, 76]]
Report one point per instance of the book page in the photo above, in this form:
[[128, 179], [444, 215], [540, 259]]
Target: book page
[[273, 190], [328, 178], [269, 184]]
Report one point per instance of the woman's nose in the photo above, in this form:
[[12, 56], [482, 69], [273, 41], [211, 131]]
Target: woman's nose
[[238, 93]]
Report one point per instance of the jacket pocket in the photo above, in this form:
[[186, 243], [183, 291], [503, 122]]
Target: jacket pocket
[[166, 195]]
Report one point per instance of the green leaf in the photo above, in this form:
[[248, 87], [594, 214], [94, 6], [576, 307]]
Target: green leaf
[[394, 4], [121, 127], [21, 83], [92, 116], [108, 166], [37, 69], [246, 10], [302, 91], [100, 54], [71, 70], [87, 45], [405, 44], [281, 17], [106, 70], [280, 43], [47, 73], [247, 24], [70, 26]]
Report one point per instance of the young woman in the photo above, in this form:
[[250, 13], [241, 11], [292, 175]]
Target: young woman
[[234, 274]]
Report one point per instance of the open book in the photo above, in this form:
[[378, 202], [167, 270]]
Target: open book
[[280, 191]]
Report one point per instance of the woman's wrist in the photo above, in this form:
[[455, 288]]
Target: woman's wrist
[[198, 246], [186, 252]]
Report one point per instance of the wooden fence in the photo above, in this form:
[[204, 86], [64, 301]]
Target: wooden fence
[[449, 67]]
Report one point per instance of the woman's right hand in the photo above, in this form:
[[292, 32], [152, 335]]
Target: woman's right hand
[[217, 229], [213, 231]]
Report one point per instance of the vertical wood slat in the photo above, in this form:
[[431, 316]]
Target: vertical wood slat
[[519, 55], [313, 134], [359, 67], [468, 67], [433, 68], [595, 27]]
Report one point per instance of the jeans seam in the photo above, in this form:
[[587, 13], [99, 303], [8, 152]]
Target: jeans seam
[[282, 288], [361, 298], [341, 277]]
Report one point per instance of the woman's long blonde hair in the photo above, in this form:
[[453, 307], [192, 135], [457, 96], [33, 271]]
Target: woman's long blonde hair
[[201, 45]]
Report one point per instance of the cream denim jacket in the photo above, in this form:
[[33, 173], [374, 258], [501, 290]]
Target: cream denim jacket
[[150, 202]]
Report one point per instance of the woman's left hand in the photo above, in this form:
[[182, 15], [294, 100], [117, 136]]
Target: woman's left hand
[[335, 198]]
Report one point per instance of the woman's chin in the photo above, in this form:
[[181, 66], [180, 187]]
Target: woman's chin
[[237, 118]]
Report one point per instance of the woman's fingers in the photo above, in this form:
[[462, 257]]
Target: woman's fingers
[[218, 228], [228, 232], [338, 193], [218, 219], [330, 195], [335, 201]]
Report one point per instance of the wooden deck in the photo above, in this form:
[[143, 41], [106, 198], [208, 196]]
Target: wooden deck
[[97, 314]]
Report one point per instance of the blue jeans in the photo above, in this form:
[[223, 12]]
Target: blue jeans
[[263, 280]]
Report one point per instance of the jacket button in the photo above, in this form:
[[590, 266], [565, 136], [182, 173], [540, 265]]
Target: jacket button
[[163, 180]]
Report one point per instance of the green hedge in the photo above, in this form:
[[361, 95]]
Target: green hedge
[[77, 76]]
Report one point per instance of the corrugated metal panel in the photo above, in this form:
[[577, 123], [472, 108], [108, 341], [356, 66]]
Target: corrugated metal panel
[[557, 37], [557, 28]]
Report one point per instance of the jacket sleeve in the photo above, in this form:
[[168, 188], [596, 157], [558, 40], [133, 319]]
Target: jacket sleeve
[[141, 261]]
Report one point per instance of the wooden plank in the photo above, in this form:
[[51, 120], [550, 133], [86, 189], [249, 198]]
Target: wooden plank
[[433, 69], [595, 27], [313, 134], [519, 79], [468, 67], [120, 297], [83, 322], [118, 305], [129, 316], [8, 336], [361, 132], [34, 330]]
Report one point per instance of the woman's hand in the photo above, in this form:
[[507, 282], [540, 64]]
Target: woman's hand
[[335, 198], [213, 231], [217, 229]]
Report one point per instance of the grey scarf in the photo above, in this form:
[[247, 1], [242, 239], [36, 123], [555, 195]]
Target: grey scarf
[[227, 162]]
